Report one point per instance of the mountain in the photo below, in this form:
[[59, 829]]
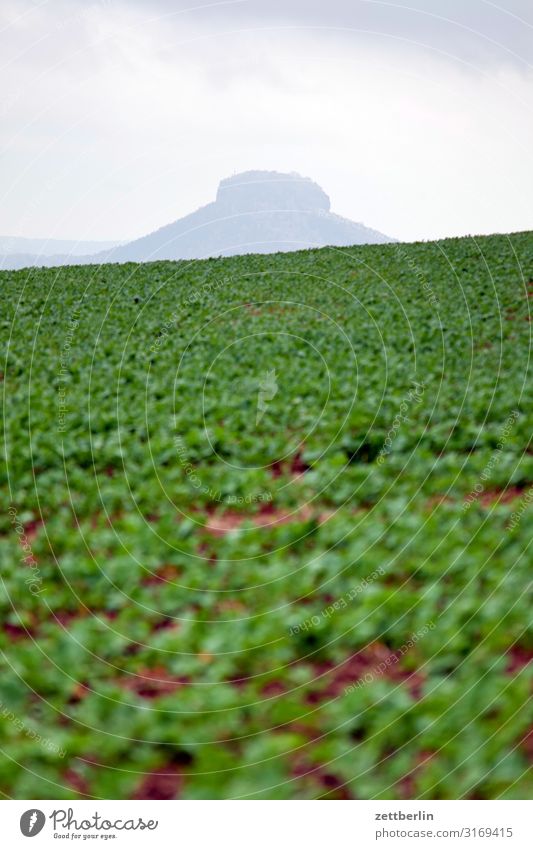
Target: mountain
[[254, 212], [36, 249]]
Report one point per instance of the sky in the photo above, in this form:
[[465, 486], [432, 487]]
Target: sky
[[119, 117]]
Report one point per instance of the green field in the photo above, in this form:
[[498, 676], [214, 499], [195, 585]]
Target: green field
[[267, 526]]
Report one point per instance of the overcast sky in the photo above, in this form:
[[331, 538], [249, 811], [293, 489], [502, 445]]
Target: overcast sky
[[118, 117]]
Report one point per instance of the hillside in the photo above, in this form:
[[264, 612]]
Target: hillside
[[270, 525], [254, 212]]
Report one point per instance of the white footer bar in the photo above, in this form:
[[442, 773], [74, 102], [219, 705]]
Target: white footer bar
[[268, 824]]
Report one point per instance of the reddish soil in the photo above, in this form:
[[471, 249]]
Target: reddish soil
[[66, 617], [407, 784], [241, 681], [310, 732], [166, 573], [205, 657], [230, 604], [80, 691], [151, 683], [335, 679], [276, 469], [208, 555], [100, 517], [437, 500], [16, 632], [295, 468], [31, 529], [166, 624], [518, 658], [526, 744], [502, 496], [163, 783], [273, 688], [259, 309], [219, 524], [499, 495], [331, 785], [76, 782]]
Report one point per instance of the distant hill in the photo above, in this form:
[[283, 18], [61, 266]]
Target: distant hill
[[34, 249], [254, 212]]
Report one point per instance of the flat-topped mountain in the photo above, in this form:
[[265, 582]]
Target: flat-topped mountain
[[254, 212], [270, 190]]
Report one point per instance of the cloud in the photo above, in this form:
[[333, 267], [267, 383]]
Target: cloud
[[472, 31]]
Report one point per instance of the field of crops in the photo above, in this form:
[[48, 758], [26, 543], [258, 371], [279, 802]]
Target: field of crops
[[267, 526]]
